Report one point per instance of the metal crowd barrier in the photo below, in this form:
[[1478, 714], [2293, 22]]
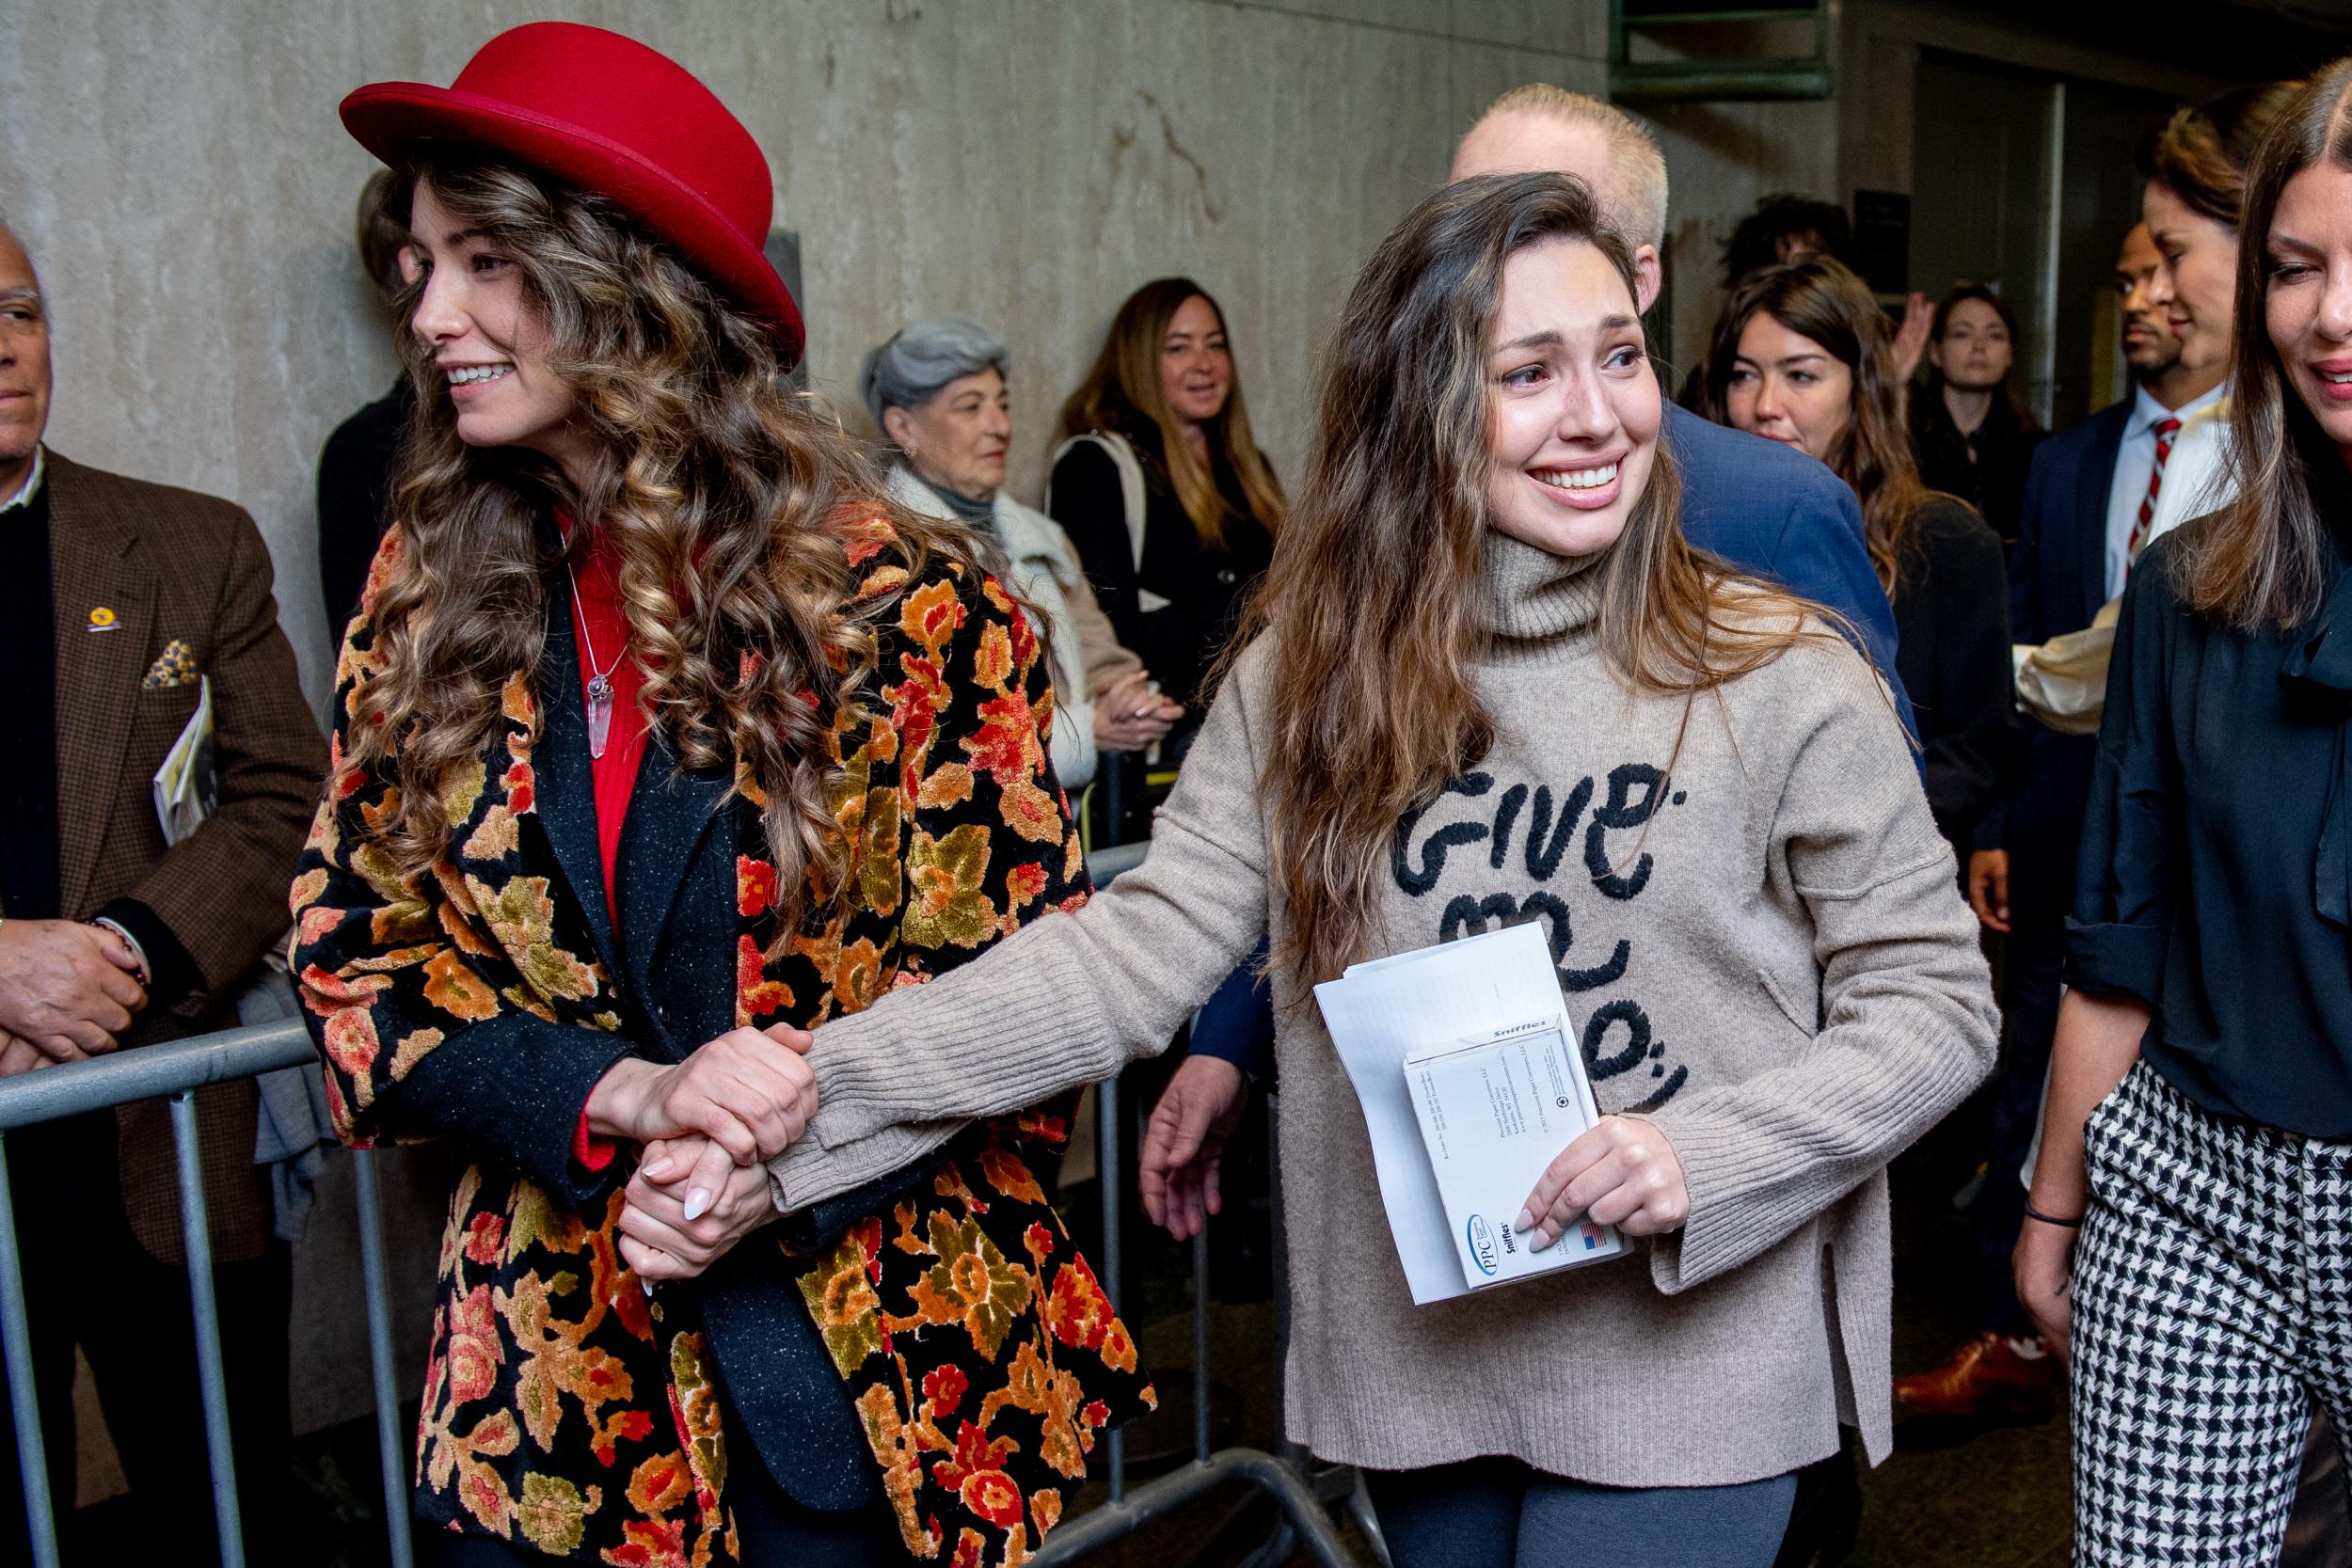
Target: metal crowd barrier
[[1281, 1478], [177, 1069]]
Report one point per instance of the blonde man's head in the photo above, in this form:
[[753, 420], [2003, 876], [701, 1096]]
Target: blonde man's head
[[1541, 128]]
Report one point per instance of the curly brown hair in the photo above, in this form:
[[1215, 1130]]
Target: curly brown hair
[[722, 492]]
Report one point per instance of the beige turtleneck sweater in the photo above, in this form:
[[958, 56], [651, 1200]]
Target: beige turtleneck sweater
[[1767, 958]]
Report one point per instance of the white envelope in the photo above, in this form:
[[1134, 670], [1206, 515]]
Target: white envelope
[[1383, 1011]]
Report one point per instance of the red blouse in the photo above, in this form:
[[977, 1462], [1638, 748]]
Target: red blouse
[[602, 630]]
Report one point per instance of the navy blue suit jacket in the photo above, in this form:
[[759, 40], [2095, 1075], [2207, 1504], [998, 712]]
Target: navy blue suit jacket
[[1768, 509], [2058, 579]]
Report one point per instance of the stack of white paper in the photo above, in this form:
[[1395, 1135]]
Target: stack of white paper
[[1474, 1031]]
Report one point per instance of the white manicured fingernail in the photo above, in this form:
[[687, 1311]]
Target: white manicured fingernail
[[1525, 1221], [658, 1169], [647, 1284], [697, 1204]]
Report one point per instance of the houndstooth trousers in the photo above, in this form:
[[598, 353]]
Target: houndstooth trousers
[[2213, 1301]]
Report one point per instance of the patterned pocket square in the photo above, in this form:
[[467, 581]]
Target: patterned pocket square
[[174, 666]]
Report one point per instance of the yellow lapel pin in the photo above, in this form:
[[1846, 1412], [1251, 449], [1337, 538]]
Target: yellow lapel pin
[[104, 619]]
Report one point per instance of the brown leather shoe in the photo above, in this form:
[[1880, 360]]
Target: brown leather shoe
[[1991, 1374]]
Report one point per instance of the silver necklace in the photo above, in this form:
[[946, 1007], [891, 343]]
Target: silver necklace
[[599, 682]]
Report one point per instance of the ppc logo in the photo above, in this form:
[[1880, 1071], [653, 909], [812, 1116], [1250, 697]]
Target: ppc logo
[[1481, 1244]]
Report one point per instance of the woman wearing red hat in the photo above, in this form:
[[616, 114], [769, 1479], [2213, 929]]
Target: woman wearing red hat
[[659, 740]]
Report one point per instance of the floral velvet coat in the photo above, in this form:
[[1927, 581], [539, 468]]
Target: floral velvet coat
[[935, 1340]]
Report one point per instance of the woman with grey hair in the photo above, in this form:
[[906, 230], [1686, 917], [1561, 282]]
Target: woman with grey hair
[[937, 389]]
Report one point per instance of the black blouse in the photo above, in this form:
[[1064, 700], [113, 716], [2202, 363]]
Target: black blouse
[[1177, 607], [1987, 469], [1951, 649], [2216, 877]]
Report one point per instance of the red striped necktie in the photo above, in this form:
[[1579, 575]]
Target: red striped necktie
[[2166, 429]]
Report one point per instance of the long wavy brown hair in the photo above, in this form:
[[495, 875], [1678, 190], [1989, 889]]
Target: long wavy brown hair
[[1824, 300], [1375, 589], [1122, 395], [720, 487], [2263, 559]]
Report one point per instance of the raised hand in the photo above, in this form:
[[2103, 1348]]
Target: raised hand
[[1911, 338]]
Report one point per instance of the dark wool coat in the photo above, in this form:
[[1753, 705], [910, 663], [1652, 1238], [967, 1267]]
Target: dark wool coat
[[934, 1338]]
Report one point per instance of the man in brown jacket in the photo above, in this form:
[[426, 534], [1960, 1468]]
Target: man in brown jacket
[[119, 601]]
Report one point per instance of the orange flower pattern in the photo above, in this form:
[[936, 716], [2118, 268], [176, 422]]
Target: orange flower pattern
[[961, 1450], [564, 1410]]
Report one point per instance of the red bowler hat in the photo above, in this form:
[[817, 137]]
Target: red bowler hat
[[606, 114]]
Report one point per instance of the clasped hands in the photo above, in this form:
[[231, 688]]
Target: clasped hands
[[67, 992], [1619, 1171], [707, 1125], [1129, 714]]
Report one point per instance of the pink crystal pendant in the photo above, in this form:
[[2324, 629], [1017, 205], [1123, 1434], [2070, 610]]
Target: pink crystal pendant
[[599, 714]]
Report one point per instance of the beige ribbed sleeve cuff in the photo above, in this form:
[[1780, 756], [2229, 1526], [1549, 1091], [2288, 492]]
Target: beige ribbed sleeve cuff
[[1762, 1158], [808, 1173]]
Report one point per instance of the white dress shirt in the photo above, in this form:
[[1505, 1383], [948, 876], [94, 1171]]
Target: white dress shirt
[[2196, 476], [27, 491]]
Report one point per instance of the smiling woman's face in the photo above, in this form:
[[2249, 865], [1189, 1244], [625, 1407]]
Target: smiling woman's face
[[486, 338], [2196, 279], [1196, 365], [2307, 295], [1573, 405]]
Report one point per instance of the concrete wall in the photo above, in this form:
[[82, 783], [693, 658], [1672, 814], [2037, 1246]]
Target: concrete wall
[[1720, 159], [179, 173]]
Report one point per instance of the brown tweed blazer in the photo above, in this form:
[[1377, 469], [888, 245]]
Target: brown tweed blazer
[[137, 567]]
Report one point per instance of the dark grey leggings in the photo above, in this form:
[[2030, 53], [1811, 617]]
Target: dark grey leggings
[[1499, 1513]]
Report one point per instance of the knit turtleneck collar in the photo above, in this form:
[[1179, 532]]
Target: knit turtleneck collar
[[1530, 597]]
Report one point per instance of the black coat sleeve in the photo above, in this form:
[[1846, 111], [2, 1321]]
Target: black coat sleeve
[[1976, 740], [2125, 884], [1085, 498], [353, 486]]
